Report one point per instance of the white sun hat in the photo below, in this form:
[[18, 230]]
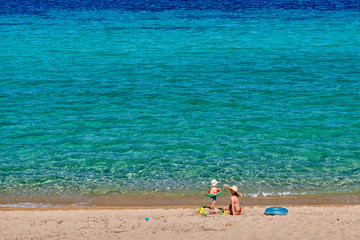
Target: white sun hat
[[214, 182]]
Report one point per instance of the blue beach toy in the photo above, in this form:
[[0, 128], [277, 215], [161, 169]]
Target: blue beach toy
[[147, 219], [276, 211]]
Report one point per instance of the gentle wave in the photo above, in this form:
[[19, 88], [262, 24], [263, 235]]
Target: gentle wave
[[266, 194], [41, 205], [29, 205]]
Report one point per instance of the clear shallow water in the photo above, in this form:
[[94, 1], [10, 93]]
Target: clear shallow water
[[106, 100]]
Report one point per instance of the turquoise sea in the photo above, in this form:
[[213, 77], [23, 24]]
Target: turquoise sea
[[110, 100]]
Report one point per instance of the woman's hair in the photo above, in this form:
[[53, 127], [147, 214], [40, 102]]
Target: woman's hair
[[235, 193]]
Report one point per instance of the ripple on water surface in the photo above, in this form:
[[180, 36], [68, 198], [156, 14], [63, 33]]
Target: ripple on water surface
[[110, 102]]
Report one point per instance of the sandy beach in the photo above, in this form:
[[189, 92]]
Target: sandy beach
[[302, 222]]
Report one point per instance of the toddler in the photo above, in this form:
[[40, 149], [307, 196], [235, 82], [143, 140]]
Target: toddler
[[214, 191]]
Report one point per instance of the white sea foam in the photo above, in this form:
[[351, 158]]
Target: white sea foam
[[38, 205], [265, 194], [29, 205]]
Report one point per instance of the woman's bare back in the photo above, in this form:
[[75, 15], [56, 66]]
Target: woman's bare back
[[235, 201]]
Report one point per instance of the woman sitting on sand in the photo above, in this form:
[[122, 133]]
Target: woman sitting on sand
[[234, 207]]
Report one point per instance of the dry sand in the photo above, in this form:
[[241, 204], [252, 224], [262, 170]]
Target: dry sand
[[302, 222]]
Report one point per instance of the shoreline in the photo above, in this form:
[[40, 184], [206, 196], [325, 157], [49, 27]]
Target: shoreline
[[183, 201], [121, 208]]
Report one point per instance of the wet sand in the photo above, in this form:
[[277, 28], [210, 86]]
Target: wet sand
[[175, 199]]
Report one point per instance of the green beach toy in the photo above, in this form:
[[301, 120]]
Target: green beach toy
[[201, 209]]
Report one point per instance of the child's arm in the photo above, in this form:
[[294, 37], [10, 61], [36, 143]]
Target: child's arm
[[213, 190]]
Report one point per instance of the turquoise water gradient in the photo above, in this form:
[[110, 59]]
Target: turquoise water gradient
[[107, 101]]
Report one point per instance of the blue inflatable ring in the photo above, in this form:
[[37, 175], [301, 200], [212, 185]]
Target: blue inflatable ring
[[276, 211]]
